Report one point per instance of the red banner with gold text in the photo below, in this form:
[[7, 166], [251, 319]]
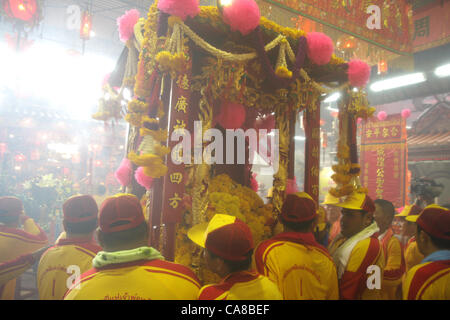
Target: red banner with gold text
[[384, 159]]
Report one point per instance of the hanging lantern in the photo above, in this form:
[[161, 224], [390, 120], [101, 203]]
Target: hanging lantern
[[346, 44], [382, 67], [24, 10], [86, 26]]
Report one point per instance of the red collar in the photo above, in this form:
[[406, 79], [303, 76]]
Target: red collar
[[74, 241], [298, 237], [241, 276]]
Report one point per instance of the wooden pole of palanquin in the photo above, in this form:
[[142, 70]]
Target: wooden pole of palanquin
[[312, 149]]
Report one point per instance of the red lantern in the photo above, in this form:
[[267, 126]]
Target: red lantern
[[24, 10], [19, 158], [86, 26], [382, 66]]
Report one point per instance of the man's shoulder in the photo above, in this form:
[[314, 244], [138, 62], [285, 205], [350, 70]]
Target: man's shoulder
[[175, 269]]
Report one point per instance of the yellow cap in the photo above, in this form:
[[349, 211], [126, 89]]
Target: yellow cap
[[225, 236], [270, 193], [322, 220], [329, 199], [414, 217], [199, 232], [411, 209], [356, 201]]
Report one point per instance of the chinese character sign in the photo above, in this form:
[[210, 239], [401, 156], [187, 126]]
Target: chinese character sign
[[384, 159], [431, 27], [175, 178], [385, 23]]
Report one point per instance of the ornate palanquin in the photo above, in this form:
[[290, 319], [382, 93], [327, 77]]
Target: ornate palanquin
[[186, 70]]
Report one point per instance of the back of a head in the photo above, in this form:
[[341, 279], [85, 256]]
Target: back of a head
[[435, 221], [387, 207], [121, 223], [298, 212], [80, 214], [10, 210]]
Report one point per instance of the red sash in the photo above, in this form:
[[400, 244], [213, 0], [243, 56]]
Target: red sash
[[421, 276]]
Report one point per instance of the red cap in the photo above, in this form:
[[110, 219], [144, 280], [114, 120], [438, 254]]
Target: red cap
[[226, 236], [120, 212], [298, 207], [10, 207], [435, 221], [80, 208]]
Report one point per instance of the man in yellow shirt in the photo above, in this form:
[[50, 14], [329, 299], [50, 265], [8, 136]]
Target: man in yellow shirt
[[301, 267], [392, 249], [412, 254], [77, 248], [430, 280], [12, 269], [357, 252], [128, 269], [14, 241], [228, 244]]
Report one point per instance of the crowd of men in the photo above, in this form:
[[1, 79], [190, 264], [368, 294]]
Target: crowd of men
[[104, 254]]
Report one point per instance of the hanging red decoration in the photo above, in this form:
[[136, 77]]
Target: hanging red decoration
[[86, 26], [382, 67], [24, 10]]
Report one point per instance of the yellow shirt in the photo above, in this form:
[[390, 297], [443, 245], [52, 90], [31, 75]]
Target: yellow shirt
[[301, 268], [12, 269], [17, 242], [53, 267], [394, 265], [428, 281], [243, 285], [353, 282], [412, 254], [140, 280]]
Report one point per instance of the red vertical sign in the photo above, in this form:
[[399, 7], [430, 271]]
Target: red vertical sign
[[384, 159], [175, 179]]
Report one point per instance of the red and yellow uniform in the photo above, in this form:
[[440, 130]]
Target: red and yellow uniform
[[139, 280], [242, 285], [14, 268], [302, 269], [394, 265], [428, 281], [52, 271], [16, 242], [353, 281], [412, 254]]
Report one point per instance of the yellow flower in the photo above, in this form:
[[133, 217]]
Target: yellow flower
[[134, 119], [283, 72], [164, 60]]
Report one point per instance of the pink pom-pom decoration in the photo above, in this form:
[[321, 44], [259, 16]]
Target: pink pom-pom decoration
[[180, 8], [143, 179], [406, 113], [126, 24], [359, 120], [320, 47], [382, 115], [232, 115], [291, 186], [358, 73], [124, 172], [242, 15]]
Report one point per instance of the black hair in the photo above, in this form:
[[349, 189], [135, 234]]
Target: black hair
[[9, 219], [84, 227], [123, 237], [439, 243], [302, 227], [387, 207], [236, 266]]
